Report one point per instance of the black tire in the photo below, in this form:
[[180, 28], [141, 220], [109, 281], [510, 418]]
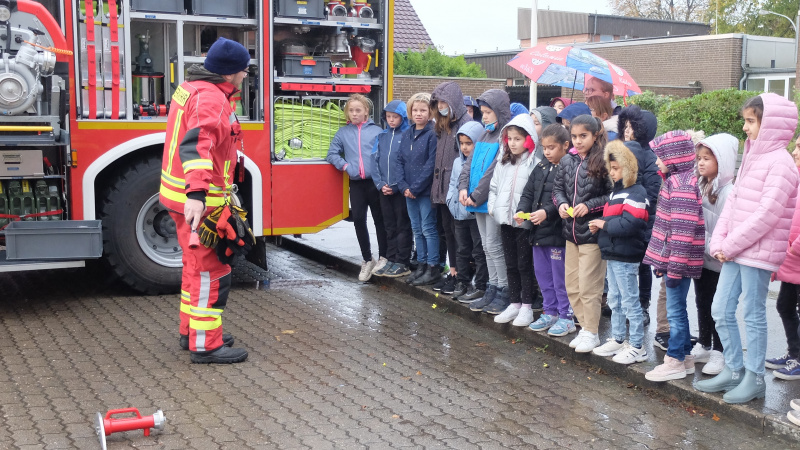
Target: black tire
[[140, 245]]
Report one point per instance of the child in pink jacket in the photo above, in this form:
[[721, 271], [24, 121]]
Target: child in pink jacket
[[750, 239]]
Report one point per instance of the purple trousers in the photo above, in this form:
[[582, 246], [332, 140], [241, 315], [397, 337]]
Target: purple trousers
[[548, 265]]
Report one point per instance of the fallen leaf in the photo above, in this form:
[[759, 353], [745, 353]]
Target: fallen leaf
[[278, 338], [419, 373], [715, 418], [287, 332], [434, 305], [563, 361], [437, 295], [384, 364], [395, 416], [481, 344], [546, 365], [588, 378], [406, 378]]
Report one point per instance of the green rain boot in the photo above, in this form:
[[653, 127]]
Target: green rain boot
[[752, 386], [725, 381]]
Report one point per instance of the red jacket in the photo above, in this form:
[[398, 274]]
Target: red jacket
[[203, 135]]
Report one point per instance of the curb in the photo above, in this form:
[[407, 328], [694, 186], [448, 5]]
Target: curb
[[768, 424]]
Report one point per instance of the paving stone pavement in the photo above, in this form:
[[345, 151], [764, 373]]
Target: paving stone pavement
[[333, 364]]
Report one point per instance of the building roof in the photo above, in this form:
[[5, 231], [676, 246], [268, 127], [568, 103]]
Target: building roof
[[409, 32]]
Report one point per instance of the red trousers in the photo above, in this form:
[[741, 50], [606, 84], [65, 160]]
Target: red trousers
[[205, 283]]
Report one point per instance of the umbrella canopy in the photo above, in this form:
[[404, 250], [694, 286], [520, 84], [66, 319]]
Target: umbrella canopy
[[571, 67]]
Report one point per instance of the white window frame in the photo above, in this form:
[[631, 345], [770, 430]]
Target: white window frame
[[774, 77]]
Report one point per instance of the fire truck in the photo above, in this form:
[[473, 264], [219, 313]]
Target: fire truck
[[85, 89]]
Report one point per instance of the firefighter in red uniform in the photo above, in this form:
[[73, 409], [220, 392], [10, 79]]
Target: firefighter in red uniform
[[200, 153]]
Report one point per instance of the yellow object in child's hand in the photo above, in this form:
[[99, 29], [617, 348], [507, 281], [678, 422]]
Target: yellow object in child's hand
[[571, 211], [524, 216]]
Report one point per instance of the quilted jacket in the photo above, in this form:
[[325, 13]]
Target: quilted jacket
[[509, 180], [790, 269], [538, 194]]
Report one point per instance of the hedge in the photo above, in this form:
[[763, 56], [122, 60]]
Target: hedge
[[713, 112]]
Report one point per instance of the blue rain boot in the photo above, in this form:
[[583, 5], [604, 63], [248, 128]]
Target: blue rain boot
[[752, 386], [725, 381]]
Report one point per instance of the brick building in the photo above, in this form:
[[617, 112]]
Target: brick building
[[407, 85]]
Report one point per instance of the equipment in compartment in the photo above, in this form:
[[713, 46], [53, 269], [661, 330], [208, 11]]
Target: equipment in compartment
[[21, 199], [148, 85], [162, 6], [21, 163], [305, 66], [224, 8], [102, 60], [336, 9], [303, 9], [362, 10], [304, 127], [21, 75], [4, 210], [47, 200]]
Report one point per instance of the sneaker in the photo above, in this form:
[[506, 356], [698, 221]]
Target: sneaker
[[715, 364], [449, 285], [662, 340], [431, 276], [688, 364], [382, 271], [440, 284], [499, 304], [610, 348], [700, 353], [790, 372], [484, 301], [589, 342], [562, 327], [380, 266], [795, 404], [630, 354], [524, 318], [397, 270], [473, 294], [794, 417], [366, 270], [544, 322], [459, 289], [672, 369], [577, 339], [777, 363], [510, 313]]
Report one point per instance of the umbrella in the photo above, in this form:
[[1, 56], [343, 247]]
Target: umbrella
[[571, 67]]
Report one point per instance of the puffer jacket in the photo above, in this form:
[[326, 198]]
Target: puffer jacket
[[678, 241], [476, 175], [789, 271], [415, 160], [538, 194], [753, 229], [351, 149], [447, 144], [623, 235], [509, 180], [387, 146], [725, 149], [574, 186], [644, 130]]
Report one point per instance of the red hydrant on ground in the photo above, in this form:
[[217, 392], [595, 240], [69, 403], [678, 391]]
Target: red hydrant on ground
[[104, 426]]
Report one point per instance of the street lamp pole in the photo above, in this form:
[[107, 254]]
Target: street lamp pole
[[534, 40], [795, 27]]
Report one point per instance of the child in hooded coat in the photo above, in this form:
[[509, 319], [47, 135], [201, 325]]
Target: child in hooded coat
[[716, 166], [676, 246], [473, 190], [393, 204], [750, 240]]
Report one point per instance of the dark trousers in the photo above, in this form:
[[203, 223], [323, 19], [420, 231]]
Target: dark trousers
[[399, 237], [445, 225], [788, 301], [469, 246], [518, 252], [704, 289], [363, 195], [645, 285]]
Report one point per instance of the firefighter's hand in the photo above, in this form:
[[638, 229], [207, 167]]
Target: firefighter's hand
[[193, 211]]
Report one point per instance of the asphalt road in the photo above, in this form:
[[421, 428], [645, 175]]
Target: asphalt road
[[333, 364]]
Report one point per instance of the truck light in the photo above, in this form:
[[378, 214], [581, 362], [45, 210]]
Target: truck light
[[73, 156], [5, 11]]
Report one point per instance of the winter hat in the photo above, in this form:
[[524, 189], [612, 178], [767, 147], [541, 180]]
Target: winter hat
[[469, 101], [472, 130], [226, 57], [676, 150], [574, 110], [517, 109]]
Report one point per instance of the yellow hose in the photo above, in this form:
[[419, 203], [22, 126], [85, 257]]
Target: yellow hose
[[25, 128]]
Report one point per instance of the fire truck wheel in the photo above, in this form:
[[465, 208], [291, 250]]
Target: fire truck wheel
[[139, 238]]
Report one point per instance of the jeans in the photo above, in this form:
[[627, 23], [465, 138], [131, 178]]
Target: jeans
[[704, 289], [398, 228], [423, 222], [548, 264], [623, 299], [788, 300], [680, 343], [363, 195], [752, 284], [493, 249], [469, 244], [522, 285]]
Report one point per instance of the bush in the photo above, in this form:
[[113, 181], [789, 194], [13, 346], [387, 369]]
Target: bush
[[433, 62], [713, 112], [649, 101]]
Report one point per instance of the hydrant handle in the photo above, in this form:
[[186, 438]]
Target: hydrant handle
[[123, 411]]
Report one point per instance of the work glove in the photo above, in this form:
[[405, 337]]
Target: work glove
[[672, 283], [208, 229], [235, 235]]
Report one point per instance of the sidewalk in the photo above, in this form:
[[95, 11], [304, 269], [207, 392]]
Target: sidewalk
[[337, 246]]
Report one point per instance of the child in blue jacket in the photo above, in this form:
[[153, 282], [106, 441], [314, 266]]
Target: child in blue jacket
[[393, 203]]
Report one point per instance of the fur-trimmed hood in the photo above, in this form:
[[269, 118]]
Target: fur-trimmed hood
[[626, 159], [643, 122]]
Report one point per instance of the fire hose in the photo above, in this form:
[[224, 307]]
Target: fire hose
[[305, 131]]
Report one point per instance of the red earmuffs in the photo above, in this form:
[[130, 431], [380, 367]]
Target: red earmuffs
[[529, 144]]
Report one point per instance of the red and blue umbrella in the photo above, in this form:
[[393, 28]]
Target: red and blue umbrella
[[571, 67]]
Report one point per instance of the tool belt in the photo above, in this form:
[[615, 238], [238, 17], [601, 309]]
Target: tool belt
[[227, 231]]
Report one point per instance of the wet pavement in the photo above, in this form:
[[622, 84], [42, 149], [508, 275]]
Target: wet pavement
[[333, 364]]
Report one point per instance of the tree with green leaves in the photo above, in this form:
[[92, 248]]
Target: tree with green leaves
[[432, 62]]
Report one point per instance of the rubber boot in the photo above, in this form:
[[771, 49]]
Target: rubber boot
[[725, 381], [752, 386]]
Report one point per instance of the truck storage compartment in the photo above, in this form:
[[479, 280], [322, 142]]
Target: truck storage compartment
[[222, 8], [305, 66], [65, 239], [162, 6], [303, 9]]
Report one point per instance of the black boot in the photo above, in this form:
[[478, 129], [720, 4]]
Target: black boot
[[645, 302], [222, 355], [227, 340], [431, 276], [420, 271]]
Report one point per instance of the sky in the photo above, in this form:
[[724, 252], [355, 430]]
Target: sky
[[467, 26]]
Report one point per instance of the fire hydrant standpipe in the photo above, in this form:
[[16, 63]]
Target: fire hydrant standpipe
[[104, 426]]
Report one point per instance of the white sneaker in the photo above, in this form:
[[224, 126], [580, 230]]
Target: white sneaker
[[509, 314], [630, 354], [715, 364], [524, 318], [577, 340], [366, 270], [379, 265], [588, 343], [795, 404], [610, 348], [700, 354]]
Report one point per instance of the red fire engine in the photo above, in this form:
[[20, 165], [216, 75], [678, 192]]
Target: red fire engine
[[85, 87]]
